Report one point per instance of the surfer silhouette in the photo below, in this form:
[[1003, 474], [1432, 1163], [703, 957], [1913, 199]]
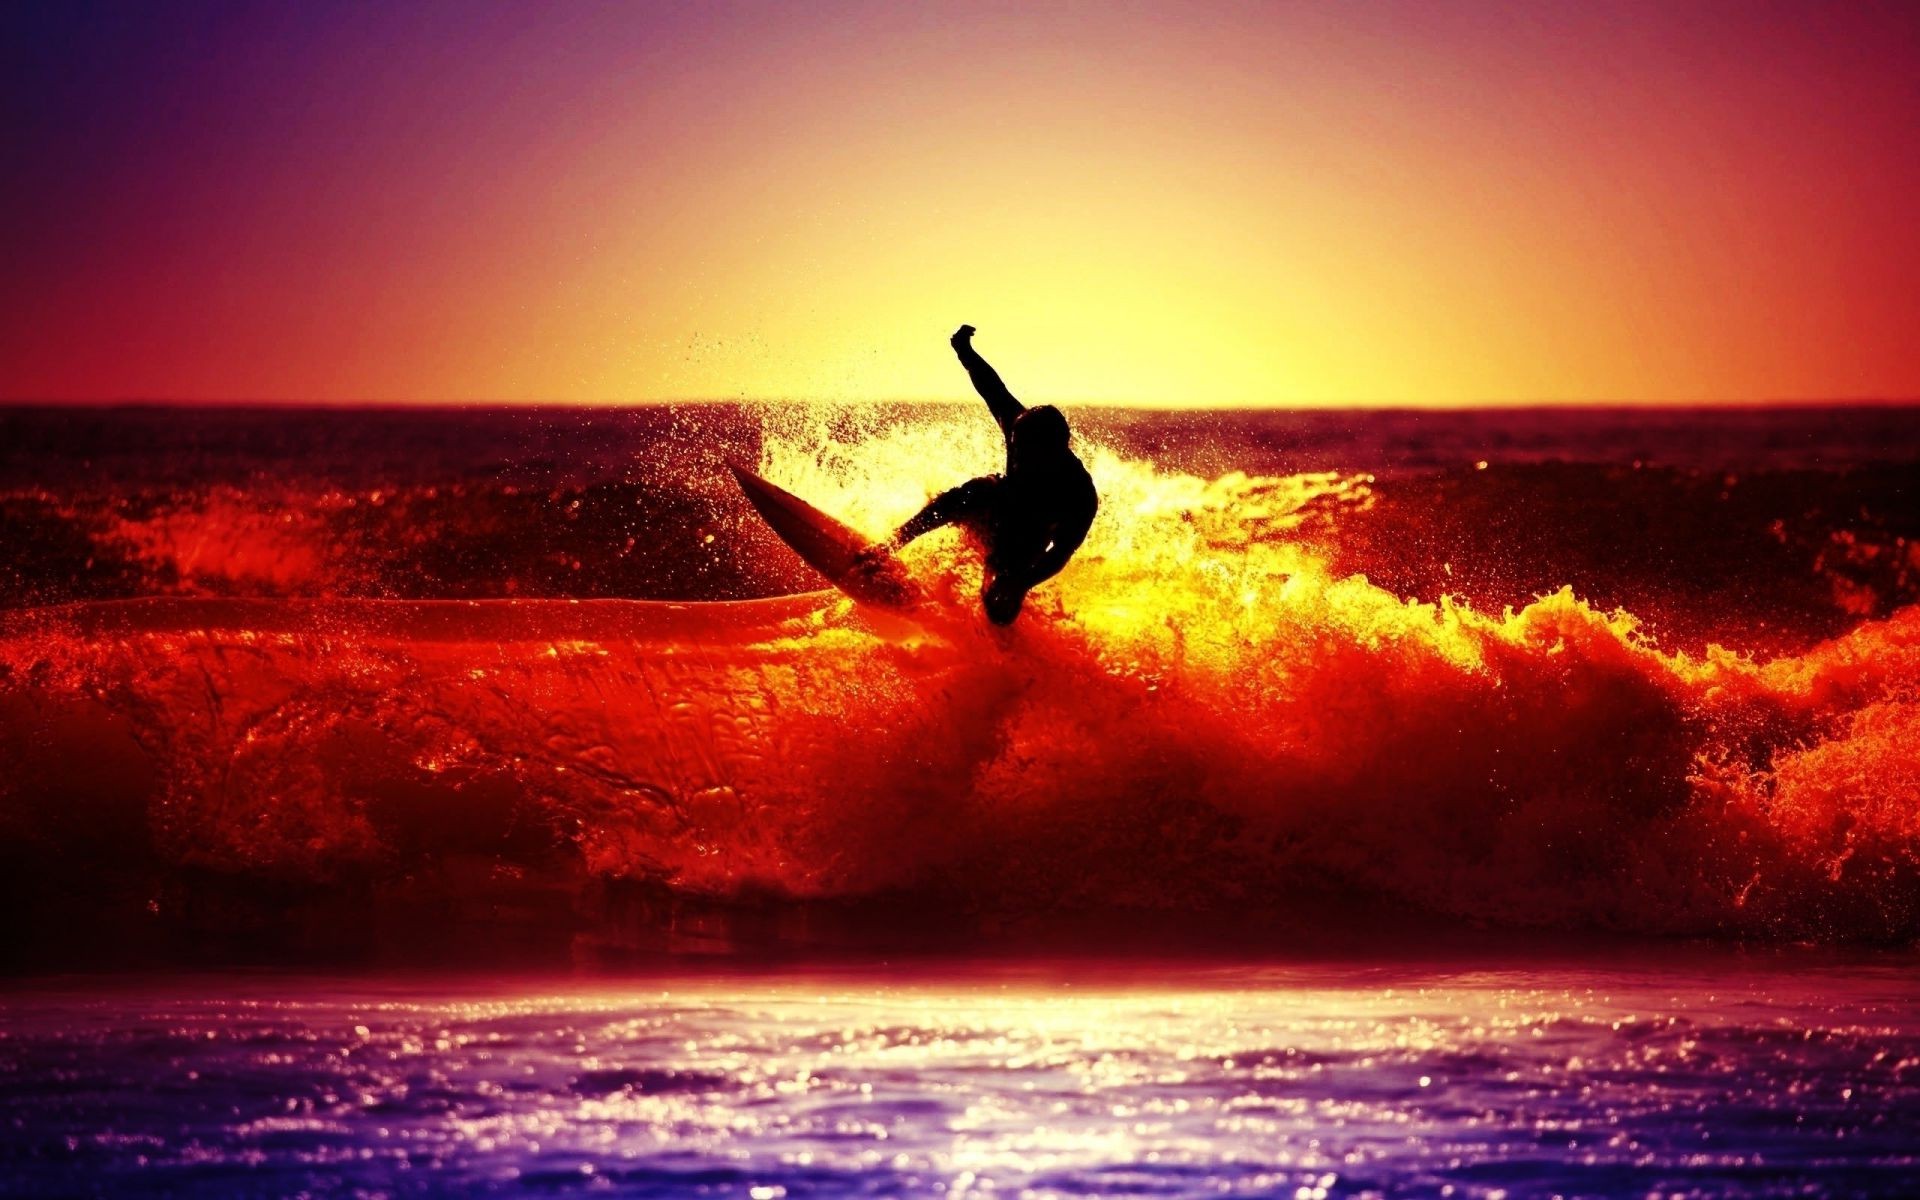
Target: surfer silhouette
[[1032, 517]]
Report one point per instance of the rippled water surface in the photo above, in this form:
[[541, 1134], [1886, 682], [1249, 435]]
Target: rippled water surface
[[1722, 1076]]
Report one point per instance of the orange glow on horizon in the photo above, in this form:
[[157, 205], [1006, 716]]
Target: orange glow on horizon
[[1220, 205]]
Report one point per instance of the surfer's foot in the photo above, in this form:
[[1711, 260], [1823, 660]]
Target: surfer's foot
[[877, 575], [875, 562]]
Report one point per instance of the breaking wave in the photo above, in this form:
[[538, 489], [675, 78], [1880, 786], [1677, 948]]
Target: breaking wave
[[1203, 714]]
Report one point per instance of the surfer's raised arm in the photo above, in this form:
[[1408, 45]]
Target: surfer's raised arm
[[987, 381]]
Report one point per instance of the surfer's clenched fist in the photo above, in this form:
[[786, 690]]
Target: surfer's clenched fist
[[961, 336]]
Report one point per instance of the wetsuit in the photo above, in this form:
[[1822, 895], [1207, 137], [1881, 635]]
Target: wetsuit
[[1031, 518]]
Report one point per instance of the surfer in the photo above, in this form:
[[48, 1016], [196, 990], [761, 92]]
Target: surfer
[[1034, 515]]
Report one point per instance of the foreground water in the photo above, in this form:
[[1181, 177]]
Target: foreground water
[[487, 686], [1696, 1074]]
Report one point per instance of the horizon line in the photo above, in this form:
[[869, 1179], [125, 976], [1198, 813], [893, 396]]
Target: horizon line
[[1119, 405]]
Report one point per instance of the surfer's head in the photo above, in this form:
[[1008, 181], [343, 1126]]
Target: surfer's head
[[1039, 432]]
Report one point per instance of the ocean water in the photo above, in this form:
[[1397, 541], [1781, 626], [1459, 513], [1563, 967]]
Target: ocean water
[[366, 683], [1653, 1074], [1483, 803]]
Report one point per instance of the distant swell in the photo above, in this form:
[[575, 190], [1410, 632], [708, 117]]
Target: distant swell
[[1795, 541]]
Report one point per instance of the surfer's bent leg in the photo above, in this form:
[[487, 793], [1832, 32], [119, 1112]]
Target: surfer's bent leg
[[1002, 598], [971, 499]]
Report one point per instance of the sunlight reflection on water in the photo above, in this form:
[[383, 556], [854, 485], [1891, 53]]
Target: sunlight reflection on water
[[1304, 1082]]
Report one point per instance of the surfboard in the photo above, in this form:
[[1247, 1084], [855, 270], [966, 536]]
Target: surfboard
[[841, 553]]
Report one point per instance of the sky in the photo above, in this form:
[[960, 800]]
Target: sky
[[1163, 204]]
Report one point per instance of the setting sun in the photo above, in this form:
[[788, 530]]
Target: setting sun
[[1212, 205]]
